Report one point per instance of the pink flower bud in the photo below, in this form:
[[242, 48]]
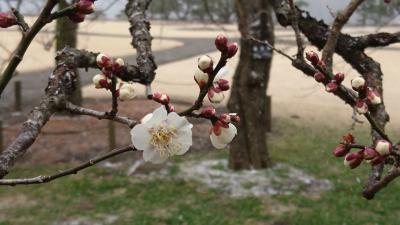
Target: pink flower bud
[[373, 97], [321, 64], [200, 77], [383, 147], [358, 84], [223, 84], [161, 98], [103, 60], [205, 64], [353, 159], [232, 49], [77, 17], [225, 118], [370, 153], [7, 20], [118, 64], [215, 95], [331, 87], [312, 57], [339, 77], [221, 43], [105, 83], [208, 112], [361, 107], [171, 108], [235, 117], [319, 77], [340, 150], [85, 6]]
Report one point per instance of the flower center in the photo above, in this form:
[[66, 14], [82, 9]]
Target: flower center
[[162, 138]]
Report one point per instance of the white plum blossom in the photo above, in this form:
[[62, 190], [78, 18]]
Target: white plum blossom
[[127, 92], [97, 80], [221, 136], [161, 135]]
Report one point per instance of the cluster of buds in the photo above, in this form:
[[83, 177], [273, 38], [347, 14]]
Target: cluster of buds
[[330, 85], [83, 8], [366, 95], [222, 131], [7, 20], [372, 155], [163, 99], [109, 67], [206, 67]]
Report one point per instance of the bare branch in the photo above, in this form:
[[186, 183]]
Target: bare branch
[[74, 109], [372, 188], [378, 39], [45, 179], [340, 20], [20, 20], [295, 26]]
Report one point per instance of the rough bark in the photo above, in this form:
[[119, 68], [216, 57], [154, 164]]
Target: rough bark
[[66, 35], [248, 96], [141, 37]]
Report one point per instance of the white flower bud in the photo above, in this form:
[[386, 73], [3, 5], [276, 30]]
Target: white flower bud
[[103, 60], [205, 63], [223, 136], [200, 77], [358, 83], [383, 147], [97, 80], [373, 97], [361, 107], [126, 92], [215, 95]]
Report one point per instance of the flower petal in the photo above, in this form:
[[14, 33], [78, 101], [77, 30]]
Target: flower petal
[[185, 139], [159, 115], [177, 121], [153, 156], [140, 137], [217, 142], [227, 134]]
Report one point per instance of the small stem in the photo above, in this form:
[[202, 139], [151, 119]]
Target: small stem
[[20, 20]]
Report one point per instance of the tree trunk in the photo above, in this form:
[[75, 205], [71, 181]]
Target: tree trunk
[[66, 35], [248, 96]]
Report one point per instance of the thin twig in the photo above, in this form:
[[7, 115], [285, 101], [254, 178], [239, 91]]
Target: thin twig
[[48, 178], [20, 20], [295, 26], [74, 109]]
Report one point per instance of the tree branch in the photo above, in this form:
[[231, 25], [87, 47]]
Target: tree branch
[[74, 109], [45, 179], [378, 40], [340, 20]]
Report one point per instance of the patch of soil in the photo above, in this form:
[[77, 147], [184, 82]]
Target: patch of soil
[[72, 139]]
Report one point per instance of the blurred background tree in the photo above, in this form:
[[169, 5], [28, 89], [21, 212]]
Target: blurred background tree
[[66, 35], [376, 12]]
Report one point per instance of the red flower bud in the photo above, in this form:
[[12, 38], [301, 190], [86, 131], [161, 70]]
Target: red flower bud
[[235, 118], [348, 139], [103, 61], [7, 20], [225, 117], [161, 98], [361, 107], [370, 153], [339, 77], [319, 77], [353, 159], [331, 87], [312, 57], [223, 84], [85, 6], [77, 17], [232, 49], [208, 112], [221, 43], [105, 84], [340, 150], [171, 108]]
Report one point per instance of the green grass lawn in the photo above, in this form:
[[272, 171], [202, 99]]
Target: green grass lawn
[[97, 194]]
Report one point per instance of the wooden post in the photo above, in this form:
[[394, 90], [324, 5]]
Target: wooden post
[[112, 142], [268, 113], [17, 95]]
